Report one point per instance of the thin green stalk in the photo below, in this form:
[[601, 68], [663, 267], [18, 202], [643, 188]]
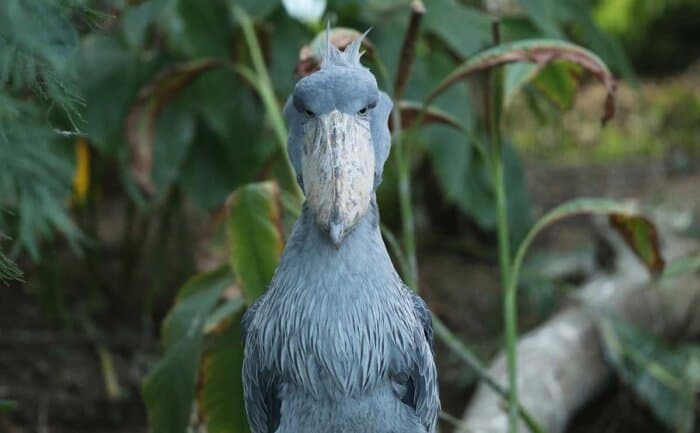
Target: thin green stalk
[[509, 299], [402, 152], [263, 85], [403, 166], [510, 319]]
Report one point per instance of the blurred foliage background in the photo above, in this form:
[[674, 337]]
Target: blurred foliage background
[[126, 124]]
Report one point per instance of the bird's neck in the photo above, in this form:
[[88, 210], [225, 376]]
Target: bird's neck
[[311, 252]]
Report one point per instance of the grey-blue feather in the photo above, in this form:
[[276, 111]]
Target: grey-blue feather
[[338, 343]]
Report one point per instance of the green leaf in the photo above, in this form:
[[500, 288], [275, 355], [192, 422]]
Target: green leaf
[[464, 29], [543, 15], [208, 175], [641, 236], [109, 79], [135, 22], [256, 235], [197, 29], [657, 373], [638, 231], [517, 75], [288, 37], [175, 130], [193, 303], [143, 116], [257, 8], [541, 52], [220, 397], [218, 319], [235, 143], [168, 390], [558, 82]]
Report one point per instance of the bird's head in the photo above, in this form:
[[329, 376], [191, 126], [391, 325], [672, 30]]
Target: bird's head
[[338, 139]]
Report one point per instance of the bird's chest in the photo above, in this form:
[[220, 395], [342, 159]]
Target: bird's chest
[[341, 341]]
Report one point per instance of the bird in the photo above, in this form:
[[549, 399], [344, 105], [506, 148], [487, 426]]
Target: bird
[[338, 343]]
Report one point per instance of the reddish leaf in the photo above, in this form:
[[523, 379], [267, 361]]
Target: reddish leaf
[[641, 236], [541, 52]]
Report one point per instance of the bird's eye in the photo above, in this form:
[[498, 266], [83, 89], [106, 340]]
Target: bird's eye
[[309, 113], [364, 111]]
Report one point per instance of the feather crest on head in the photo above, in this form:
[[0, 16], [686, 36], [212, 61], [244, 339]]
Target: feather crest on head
[[348, 58]]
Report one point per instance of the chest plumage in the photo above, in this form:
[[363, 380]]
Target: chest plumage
[[335, 327]]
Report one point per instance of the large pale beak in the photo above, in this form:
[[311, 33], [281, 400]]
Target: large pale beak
[[338, 171]]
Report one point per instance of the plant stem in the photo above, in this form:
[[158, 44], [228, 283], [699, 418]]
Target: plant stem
[[510, 318], [403, 165], [264, 87], [509, 299], [403, 157]]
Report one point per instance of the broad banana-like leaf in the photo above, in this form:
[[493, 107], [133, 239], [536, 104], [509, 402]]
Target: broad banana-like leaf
[[256, 235]]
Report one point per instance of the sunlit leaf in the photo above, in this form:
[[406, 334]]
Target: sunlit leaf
[[540, 52], [657, 373], [168, 390], [256, 235], [220, 395], [142, 118]]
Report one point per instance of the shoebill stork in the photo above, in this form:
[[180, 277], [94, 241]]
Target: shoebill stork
[[338, 344]]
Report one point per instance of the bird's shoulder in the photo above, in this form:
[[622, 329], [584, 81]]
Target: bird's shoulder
[[424, 316]]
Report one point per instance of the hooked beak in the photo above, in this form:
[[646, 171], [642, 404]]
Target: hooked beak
[[338, 171]]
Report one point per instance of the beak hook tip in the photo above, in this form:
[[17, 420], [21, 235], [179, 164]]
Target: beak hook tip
[[336, 234]]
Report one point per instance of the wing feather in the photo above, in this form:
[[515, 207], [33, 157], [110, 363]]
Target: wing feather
[[261, 401], [426, 399]]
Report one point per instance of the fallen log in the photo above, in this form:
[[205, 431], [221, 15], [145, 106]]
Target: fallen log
[[560, 363]]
